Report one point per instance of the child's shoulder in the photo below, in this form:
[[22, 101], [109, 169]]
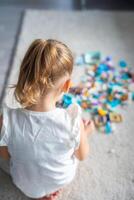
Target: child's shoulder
[[73, 113], [74, 109], [4, 110]]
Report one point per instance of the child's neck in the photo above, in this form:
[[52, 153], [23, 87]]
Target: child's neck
[[45, 104]]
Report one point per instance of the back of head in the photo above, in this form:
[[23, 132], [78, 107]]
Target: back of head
[[44, 63]]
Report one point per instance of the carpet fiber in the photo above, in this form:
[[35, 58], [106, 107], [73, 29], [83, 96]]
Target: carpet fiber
[[108, 173]]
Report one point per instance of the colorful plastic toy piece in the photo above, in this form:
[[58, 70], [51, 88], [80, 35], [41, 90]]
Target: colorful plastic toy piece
[[67, 100], [102, 112], [122, 64], [85, 105], [110, 97], [76, 90], [124, 97], [114, 103], [99, 121], [108, 128], [133, 96], [86, 93], [115, 117], [92, 57]]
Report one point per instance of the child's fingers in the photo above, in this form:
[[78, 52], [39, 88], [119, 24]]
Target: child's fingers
[[93, 126], [89, 127], [86, 122]]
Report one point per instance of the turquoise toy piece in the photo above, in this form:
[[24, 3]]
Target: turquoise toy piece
[[92, 58], [67, 100], [108, 128], [122, 63]]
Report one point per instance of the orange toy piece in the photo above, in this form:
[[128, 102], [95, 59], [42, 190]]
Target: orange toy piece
[[124, 97], [85, 105]]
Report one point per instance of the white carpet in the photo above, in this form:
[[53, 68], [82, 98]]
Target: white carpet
[[104, 175]]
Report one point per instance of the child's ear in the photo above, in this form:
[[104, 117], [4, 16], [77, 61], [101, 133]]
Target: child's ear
[[67, 85]]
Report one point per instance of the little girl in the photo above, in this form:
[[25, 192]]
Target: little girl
[[43, 142]]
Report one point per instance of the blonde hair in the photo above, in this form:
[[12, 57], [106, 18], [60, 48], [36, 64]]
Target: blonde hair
[[44, 63]]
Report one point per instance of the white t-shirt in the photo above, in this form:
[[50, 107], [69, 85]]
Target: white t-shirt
[[41, 145]]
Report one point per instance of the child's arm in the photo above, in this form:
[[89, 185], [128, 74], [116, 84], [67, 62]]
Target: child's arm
[[86, 128], [3, 149]]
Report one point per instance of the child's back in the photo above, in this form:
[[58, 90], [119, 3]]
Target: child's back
[[43, 142], [41, 145]]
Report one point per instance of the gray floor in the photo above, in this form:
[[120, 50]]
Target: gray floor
[[9, 25], [104, 175], [7, 190]]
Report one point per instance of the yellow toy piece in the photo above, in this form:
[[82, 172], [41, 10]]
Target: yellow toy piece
[[86, 93], [110, 97], [102, 112]]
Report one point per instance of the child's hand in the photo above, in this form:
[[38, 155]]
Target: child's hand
[[88, 126]]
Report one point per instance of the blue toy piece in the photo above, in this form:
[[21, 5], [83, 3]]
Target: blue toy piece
[[108, 58], [108, 117], [67, 100], [125, 76], [108, 128], [109, 90], [133, 96], [114, 103], [122, 64]]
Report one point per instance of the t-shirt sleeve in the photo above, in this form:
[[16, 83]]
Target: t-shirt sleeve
[[74, 111], [4, 136]]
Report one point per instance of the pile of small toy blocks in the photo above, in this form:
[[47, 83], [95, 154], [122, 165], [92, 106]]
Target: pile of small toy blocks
[[102, 89]]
